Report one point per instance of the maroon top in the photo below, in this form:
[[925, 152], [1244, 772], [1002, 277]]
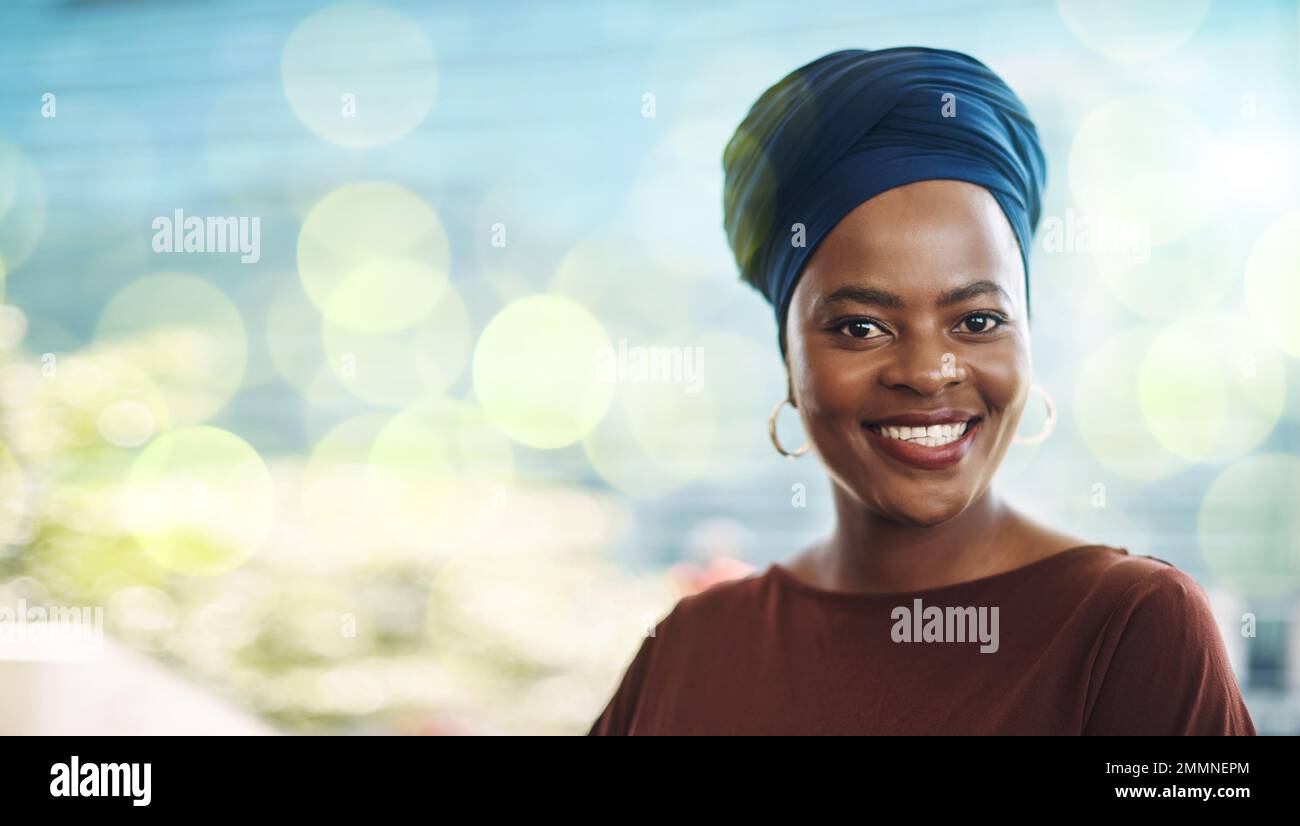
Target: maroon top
[[1091, 640]]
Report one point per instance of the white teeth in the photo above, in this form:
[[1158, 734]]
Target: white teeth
[[935, 435]]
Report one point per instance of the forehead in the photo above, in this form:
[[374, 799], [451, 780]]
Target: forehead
[[919, 240]]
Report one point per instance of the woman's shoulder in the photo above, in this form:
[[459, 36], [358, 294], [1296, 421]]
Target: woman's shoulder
[[1147, 601], [1108, 570], [1133, 575], [1161, 665]]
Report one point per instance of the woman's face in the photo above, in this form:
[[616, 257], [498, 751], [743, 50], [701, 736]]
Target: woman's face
[[912, 308]]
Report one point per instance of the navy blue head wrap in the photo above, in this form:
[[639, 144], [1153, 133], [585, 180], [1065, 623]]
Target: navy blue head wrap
[[854, 123]]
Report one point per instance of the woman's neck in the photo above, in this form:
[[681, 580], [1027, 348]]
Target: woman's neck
[[868, 553]]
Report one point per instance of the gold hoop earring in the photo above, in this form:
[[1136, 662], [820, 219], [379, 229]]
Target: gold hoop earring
[[1051, 419], [776, 442]]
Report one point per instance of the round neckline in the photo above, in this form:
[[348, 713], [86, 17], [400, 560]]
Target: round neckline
[[786, 577]]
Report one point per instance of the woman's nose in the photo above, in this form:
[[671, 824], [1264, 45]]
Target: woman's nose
[[925, 365]]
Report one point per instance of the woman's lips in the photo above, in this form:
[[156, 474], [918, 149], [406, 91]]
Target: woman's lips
[[926, 458]]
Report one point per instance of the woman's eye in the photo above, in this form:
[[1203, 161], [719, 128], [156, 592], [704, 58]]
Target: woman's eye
[[981, 322], [859, 328]]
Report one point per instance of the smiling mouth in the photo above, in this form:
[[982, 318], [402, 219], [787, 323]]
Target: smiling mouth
[[936, 435], [935, 447]]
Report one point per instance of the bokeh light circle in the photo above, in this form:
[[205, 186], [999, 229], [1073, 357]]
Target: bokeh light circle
[[1272, 283], [395, 368], [615, 453], [1173, 281], [199, 500], [537, 371], [126, 423], [378, 56], [1211, 397], [634, 304], [1108, 414], [655, 439], [294, 340], [1143, 163], [1249, 525], [186, 335], [1129, 32], [373, 257], [22, 210], [335, 497], [13, 326], [688, 407], [438, 474]]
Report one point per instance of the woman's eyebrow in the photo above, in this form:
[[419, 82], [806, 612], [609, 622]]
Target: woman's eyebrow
[[893, 301], [969, 291]]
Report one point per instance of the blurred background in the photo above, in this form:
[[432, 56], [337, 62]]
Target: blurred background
[[348, 464]]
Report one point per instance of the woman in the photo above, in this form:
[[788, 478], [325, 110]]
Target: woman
[[885, 203]]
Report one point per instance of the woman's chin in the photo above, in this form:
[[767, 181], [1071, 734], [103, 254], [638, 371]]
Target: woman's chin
[[922, 511], [926, 519]]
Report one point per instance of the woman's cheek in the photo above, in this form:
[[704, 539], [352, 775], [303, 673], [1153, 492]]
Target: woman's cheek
[[835, 388], [1002, 376]]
